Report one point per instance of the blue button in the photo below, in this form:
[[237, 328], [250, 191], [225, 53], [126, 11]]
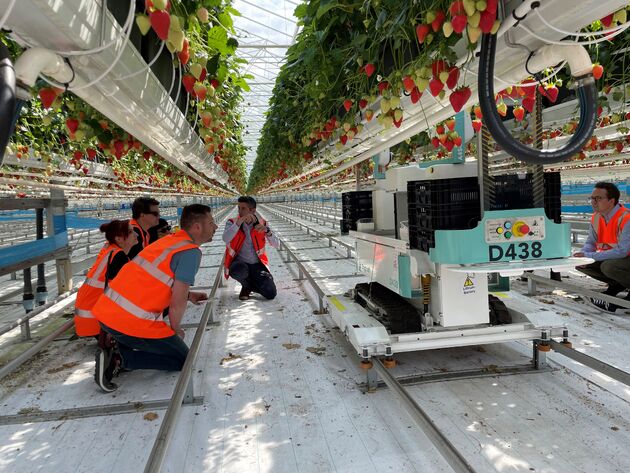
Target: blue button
[[507, 224]]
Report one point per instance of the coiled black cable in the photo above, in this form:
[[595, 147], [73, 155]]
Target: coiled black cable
[[587, 95], [7, 99]]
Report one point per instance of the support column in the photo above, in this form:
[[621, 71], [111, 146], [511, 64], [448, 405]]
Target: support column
[[42, 293], [56, 223]]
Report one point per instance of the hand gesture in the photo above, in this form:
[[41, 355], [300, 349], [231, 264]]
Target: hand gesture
[[197, 297], [260, 228]]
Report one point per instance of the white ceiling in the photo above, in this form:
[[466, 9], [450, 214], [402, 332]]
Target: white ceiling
[[266, 28]]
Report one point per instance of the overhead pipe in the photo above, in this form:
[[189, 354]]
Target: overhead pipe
[[581, 68], [7, 100]]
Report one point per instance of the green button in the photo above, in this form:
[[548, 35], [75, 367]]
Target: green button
[[507, 234]]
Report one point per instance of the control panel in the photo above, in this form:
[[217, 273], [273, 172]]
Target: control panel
[[506, 230]]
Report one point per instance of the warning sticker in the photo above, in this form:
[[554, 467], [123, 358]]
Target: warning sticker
[[469, 284]]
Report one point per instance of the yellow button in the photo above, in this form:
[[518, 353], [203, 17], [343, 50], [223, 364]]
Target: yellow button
[[500, 230]]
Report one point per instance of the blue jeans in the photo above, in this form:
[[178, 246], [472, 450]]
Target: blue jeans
[[167, 354], [254, 277]]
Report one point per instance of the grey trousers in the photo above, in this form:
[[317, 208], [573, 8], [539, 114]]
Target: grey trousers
[[614, 272]]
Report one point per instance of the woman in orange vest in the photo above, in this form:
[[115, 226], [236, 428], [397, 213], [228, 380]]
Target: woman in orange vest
[[608, 243], [112, 257]]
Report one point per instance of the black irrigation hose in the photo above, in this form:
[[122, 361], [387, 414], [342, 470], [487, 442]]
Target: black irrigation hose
[[7, 99], [587, 94]]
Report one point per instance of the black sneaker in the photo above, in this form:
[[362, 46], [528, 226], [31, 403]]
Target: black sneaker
[[604, 305], [103, 373]]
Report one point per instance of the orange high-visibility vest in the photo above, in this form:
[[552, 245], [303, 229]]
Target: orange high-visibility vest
[[84, 322], [143, 234], [231, 250], [134, 301], [608, 233]]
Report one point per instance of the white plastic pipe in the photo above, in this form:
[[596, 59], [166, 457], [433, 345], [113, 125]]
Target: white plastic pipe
[[37, 61], [575, 55]]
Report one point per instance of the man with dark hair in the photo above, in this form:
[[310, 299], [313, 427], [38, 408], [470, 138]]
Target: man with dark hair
[[132, 306], [608, 243], [145, 213], [245, 256], [160, 230]]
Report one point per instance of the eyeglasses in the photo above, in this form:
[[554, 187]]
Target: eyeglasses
[[596, 198]]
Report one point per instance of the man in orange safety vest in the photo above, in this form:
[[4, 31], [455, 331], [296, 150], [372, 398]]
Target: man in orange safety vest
[[608, 243], [245, 255]]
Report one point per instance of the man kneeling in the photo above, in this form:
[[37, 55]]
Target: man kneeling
[[608, 243], [131, 308], [245, 256]]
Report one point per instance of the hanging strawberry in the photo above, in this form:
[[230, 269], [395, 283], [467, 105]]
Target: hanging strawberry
[[48, 95], [598, 71], [422, 31], [347, 104], [369, 69], [160, 22], [519, 113]]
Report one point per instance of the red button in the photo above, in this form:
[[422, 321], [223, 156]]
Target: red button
[[523, 229]]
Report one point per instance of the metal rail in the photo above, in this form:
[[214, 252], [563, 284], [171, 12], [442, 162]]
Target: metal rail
[[183, 386], [448, 451], [532, 279], [331, 238]]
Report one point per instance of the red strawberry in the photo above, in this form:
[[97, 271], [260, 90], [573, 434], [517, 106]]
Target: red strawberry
[[200, 91], [160, 22], [408, 83], [421, 32], [77, 155], [457, 141], [189, 83], [415, 95], [440, 129], [438, 66], [598, 71], [476, 124], [619, 147], [347, 104], [343, 139], [519, 113], [552, 93], [369, 69], [457, 8], [48, 95], [398, 123], [450, 123], [72, 124], [436, 24], [491, 6], [449, 145], [383, 86], [435, 86], [528, 103], [217, 159], [184, 54], [435, 142], [363, 103], [85, 170], [486, 22], [91, 153], [459, 23], [477, 110], [453, 77], [607, 20], [459, 98]]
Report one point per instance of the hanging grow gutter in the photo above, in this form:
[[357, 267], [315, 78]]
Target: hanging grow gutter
[[140, 105]]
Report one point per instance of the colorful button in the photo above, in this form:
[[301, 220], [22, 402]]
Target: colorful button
[[507, 235], [500, 230], [507, 224]]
